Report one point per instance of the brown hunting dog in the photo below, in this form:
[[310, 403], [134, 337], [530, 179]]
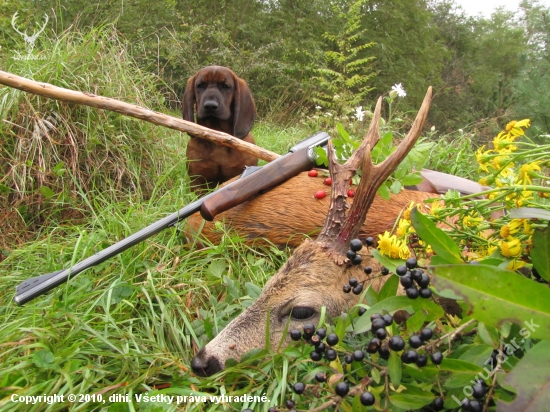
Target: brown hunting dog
[[222, 101]]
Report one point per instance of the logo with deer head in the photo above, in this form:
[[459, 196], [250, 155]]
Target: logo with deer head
[[29, 40]]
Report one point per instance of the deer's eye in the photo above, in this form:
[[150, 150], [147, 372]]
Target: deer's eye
[[302, 312]]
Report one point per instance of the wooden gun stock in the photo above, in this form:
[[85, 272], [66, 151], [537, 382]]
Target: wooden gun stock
[[258, 182]]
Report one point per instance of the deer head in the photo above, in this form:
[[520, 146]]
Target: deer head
[[316, 272], [29, 40]]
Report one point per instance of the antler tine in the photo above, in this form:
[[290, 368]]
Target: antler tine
[[373, 176], [341, 174]]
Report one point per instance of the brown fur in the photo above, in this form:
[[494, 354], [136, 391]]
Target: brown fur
[[288, 213], [221, 101]]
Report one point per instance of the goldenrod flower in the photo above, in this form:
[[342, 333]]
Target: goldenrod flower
[[514, 128], [483, 158], [500, 161], [393, 247], [511, 228], [527, 228], [527, 171], [515, 264], [437, 207], [407, 211], [402, 227], [472, 221], [510, 248], [384, 243]]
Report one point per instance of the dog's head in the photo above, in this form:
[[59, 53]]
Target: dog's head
[[221, 100]]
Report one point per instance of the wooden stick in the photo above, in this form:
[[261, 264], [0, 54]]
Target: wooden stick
[[100, 102]]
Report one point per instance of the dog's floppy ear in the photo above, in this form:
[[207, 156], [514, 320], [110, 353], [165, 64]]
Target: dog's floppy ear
[[244, 110], [188, 109]]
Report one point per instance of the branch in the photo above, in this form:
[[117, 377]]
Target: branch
[[127, 109]]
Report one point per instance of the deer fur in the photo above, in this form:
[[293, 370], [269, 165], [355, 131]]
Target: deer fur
[[315, 273], [271, 219]]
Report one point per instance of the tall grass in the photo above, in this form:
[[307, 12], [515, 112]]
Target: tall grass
[[50, 151]]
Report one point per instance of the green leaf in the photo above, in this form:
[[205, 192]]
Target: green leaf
[[496, 295], [441, 243], [415, 322], [412, 399], [384, 192], [46, 192], [488, 334], [43, 359], [395, 187], [121, 292], [394, 368], [412, 179], [252, 290], [540, 253], [390, 288], [395, 303], [530, 380], [217, 268], [463, 372]]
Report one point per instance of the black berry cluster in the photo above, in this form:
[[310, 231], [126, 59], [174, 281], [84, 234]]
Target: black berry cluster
[[355, 245], [414, 279], [316, 339], [326, 349], [479, 390]]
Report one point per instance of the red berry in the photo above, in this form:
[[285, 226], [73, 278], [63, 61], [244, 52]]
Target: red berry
[[328, 181], [319, 194], [312, 173], [351, 193]]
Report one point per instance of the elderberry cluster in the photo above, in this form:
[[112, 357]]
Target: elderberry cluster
[[414, 279]]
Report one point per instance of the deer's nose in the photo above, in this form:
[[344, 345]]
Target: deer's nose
[[204, 365]]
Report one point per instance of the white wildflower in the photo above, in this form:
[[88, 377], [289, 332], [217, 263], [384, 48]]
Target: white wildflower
[[359, 113], [398, 88]]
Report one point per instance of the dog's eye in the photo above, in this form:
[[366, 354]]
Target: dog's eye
[[225, 86], [201, 85], [302, 312]]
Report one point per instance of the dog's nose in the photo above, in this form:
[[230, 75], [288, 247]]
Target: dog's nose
[[211, 105]]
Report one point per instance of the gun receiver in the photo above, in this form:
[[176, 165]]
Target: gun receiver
[[301, 158]]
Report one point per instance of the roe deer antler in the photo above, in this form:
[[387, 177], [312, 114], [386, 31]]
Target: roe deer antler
[[313, 277], [340, 227]]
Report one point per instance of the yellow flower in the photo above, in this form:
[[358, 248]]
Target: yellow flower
[[402, 227], [511, 228], [511, 248], [384, 243], [393, 247], [407, 211], [503, 143], [483, 158], [472, 221], [437, 207], [515, 264], [514, 128], [527, 228], [500, 161], [527, 171]]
